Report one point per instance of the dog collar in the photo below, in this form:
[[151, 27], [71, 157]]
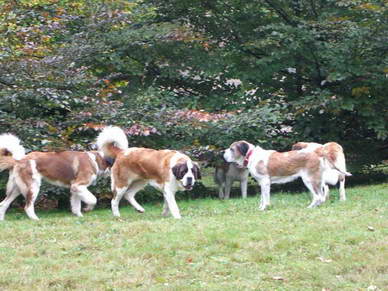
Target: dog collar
[[246, 159]]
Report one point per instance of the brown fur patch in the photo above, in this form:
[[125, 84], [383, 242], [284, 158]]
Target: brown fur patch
[[60, 166], [289, 163], [142, 164], [25, 174]]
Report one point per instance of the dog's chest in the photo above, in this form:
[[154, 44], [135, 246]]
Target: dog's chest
[[235, 172]]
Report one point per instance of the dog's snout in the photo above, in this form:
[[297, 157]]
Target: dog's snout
[[189, 181]]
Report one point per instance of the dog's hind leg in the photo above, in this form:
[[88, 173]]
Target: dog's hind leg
[[221, 189], [11, 194], [31, 196], [315, 188], [29, 181], [342, 188], [131, 192]]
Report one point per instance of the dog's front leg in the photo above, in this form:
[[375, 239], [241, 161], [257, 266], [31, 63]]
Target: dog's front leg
[[81, 192], [228, 186], [221, 189], [244, 187], [75, 204], [166, 210], [169, 196], [12, 193], [265, 185]]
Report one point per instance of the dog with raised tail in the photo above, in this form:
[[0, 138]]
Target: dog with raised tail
[[134, 168], [336, 172], [69, 169]]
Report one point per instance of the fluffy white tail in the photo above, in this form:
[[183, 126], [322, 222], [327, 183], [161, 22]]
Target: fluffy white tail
[[11, 144], [111, 140]]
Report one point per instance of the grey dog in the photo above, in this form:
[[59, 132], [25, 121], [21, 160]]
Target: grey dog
[[224, 176]]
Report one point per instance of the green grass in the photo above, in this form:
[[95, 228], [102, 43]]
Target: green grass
[[217, 245]]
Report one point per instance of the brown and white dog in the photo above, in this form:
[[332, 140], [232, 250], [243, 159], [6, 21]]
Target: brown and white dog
[[335, 154], [269, 166], [134, 168], [69, 169]]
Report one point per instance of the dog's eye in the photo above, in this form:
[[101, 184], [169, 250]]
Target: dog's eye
[[232, 150]]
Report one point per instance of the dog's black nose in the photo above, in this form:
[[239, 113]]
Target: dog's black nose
[[189, 181]]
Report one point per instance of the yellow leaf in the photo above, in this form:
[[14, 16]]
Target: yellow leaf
[[360, 91]]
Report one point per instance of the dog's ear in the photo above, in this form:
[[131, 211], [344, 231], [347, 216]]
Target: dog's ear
[[196, 172], [179, 170], [243, 148]]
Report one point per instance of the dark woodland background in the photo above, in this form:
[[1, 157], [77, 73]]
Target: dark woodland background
[[197, 75]]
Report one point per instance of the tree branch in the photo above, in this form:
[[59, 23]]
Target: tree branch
[[281, 13]]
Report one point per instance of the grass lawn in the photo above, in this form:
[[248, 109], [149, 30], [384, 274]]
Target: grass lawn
[[217, 245]]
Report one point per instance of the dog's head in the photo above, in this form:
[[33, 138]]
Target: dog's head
[[237, 151], [187, 173]]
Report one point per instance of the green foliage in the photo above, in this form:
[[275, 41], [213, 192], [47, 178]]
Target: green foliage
[[276, 71]]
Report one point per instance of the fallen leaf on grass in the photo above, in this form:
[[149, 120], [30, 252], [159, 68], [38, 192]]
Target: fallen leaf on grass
[[279, 278], [371, 228], [322, 259]]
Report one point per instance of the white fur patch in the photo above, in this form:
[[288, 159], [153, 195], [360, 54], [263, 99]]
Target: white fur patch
[[93, 160], [331, 176], [12, 144], [56, 183], [36, 178]]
